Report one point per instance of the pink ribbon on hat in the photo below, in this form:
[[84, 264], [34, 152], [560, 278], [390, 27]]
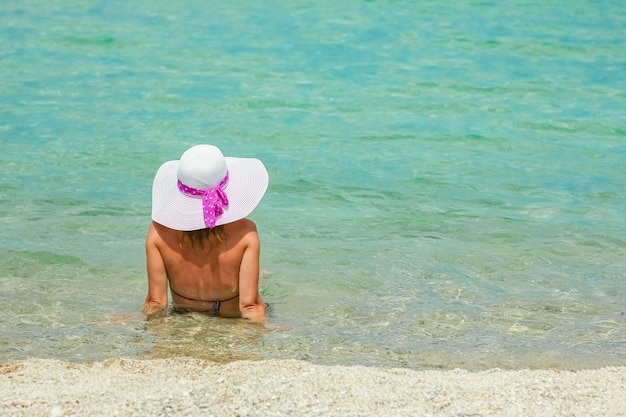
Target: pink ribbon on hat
[[213, 200]]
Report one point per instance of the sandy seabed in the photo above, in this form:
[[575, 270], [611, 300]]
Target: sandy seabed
[[189, 387]]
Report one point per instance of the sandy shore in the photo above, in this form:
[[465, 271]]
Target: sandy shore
[[184, 387]]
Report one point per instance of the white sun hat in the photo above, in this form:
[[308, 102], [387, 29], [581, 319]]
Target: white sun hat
[[204, 189]]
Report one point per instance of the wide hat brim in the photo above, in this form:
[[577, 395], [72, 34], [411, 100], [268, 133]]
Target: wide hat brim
[[247, 183]]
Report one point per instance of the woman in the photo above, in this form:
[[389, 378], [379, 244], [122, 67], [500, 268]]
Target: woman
[[199, 241]]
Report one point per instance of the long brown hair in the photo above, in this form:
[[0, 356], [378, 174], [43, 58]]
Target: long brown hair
[[198, 238]]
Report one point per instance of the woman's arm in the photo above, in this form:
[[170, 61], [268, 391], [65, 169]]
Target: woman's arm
[[250, 301], [156, 300]]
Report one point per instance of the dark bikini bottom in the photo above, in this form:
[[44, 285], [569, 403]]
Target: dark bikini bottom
[[215, 309]]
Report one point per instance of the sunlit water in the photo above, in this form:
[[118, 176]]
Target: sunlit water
[[446, 178]]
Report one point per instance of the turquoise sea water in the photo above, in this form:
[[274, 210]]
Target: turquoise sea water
[[447, 179]]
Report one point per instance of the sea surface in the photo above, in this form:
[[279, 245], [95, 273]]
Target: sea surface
[[447, 179]]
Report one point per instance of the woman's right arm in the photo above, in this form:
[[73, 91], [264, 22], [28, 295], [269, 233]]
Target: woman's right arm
[[250, 301]]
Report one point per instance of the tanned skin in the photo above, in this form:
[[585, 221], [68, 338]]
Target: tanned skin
[[220, 267]]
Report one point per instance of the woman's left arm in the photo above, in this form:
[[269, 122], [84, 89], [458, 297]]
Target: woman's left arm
[[156, 300]]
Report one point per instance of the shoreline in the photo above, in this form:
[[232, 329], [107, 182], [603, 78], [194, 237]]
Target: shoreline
[[184, 386]]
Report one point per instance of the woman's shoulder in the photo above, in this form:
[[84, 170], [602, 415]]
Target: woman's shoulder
[[159, 234], [242, 226], [241, 233]]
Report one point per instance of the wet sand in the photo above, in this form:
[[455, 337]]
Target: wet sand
[[186, 387]]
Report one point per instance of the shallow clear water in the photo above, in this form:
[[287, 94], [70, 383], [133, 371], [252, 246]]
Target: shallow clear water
[[446, 180]]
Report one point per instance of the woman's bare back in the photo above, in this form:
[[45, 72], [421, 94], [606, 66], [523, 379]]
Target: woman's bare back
[[209, 276]]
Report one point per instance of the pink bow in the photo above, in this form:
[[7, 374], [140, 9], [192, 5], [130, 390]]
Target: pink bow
[[213, 200]]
